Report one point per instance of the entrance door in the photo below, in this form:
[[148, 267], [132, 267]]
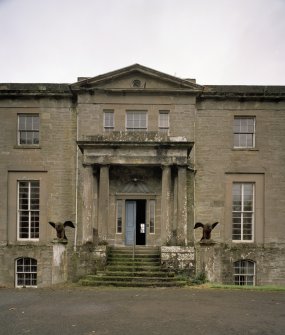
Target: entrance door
[[135, 222]]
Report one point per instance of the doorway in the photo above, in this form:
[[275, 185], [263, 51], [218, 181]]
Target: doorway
[[135, 222]]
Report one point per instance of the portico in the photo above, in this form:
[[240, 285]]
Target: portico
[[134, 189]]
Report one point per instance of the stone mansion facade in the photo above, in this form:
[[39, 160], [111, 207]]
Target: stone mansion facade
[[137, 157]]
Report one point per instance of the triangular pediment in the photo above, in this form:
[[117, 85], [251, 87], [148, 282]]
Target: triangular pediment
[[137, 78]]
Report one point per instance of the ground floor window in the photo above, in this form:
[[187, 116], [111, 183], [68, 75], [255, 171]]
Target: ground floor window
[[28, 209], [26, 272], [244, 272], [243, 212]]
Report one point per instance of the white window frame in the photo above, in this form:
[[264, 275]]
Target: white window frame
[[243, 132], [30, 211], [243, 213], [134, 127], [242, 274], [163, 124], [29, 272], [33, 131], [108, 124]]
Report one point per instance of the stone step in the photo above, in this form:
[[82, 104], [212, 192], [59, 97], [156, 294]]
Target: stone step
[[126, 257], [131, 278], [133, 268], [86, 282], [138, 251], [144, 270], [137, 273], [132, 263]]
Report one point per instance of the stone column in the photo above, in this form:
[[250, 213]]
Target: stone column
[[103, 203], [182, 205], [165, 204], [87, 204]]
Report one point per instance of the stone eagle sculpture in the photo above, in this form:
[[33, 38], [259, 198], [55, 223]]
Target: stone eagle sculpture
[[207, 229], [60, 228]]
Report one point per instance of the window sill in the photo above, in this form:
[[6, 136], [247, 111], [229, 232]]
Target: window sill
[[245, 149], [32, 146]]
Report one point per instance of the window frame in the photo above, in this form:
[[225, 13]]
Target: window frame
[[241, 278], [163, 128], [28, 276], [30, 212], [244, 134], [32, 131], [108, 128], [136, 112], [243, 213]]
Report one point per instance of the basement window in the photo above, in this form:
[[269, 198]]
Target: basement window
[[244, 272], [26, 272]]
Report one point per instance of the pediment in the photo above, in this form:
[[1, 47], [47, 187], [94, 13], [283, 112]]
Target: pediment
[[137, 78], [135, 186]]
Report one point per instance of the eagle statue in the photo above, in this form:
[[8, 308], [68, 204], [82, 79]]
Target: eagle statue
[[207, 229], [60, 228]]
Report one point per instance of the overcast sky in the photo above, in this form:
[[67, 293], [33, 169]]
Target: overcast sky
[[214, 41]]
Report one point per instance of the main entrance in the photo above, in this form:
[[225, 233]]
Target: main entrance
[[135, 222]]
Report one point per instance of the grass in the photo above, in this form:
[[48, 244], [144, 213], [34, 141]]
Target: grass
[[249, 288]]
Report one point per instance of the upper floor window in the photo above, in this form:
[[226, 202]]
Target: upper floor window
[[242, 211], [244, 272], [136, 121], [163, 121], [26, 272], [244, 132], [28, 209], [109, 123], [28, 129]]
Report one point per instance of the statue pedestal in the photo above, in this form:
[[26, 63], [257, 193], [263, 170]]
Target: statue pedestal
[[59, 262], [207, 259]]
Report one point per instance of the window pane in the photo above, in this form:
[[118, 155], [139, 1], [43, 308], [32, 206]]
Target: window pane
[[242, 211], [244, 272], [136, 121], [244, 132], [28, 209], [26, 272], [28, 132], [108, 119]]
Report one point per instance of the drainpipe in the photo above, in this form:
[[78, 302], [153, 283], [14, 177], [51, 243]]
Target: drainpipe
[[76, 184]]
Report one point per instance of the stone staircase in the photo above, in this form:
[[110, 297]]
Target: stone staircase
[[142, 270]]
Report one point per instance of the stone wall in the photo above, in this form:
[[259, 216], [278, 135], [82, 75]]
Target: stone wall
[[179, 259], [87, 259], [216, 261], [9, 254]]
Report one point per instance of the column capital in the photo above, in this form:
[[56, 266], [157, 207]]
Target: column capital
[[164, 166]]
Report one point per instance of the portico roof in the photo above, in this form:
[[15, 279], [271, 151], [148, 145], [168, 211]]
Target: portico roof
[[142, 148]]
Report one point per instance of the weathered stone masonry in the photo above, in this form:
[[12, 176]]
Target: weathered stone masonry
[[147, 185]]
